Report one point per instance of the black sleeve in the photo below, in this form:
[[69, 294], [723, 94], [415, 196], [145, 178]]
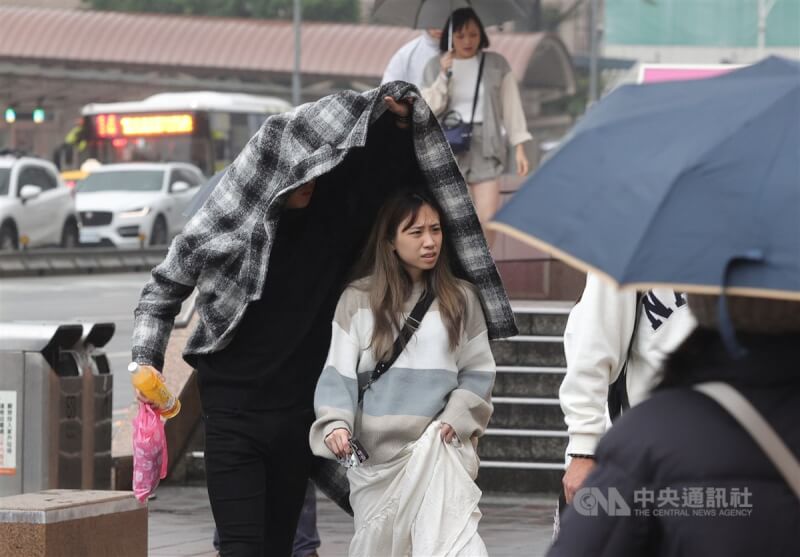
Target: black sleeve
[[390, 163], [353, 193], [387, 163], [602, 520], [390, 152]]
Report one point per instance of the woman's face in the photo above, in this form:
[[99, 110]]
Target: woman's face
[[418, 246], [467, 40]]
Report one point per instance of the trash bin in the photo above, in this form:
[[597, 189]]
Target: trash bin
[[98, 384], [55, 406]]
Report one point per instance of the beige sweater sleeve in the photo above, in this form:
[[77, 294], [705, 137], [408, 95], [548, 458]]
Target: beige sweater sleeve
[[437, 95], [470, 404], [336, 395], [513, 115]]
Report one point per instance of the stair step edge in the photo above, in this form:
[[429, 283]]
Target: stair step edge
[[520, 306], [531, 369], [533, 338], [526, 432], [522, 465], [525, 400]]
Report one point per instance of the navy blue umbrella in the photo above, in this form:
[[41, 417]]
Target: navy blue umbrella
[[671, 183]]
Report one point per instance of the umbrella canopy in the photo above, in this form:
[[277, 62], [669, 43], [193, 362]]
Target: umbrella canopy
[[671, 183], [428, 14]]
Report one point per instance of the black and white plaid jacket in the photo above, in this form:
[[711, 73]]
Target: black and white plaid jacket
[[224, 250]]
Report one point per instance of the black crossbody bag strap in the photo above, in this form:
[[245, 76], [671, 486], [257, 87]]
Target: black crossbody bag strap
[[409, 328], [477, 90], [618, 402]]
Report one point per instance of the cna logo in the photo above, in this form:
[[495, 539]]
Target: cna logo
[[588, 501]]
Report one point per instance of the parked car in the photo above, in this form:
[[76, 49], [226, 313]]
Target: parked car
[[134, 204], [36, 208]]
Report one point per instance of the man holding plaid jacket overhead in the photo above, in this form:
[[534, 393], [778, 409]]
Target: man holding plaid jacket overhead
[[269, 254]]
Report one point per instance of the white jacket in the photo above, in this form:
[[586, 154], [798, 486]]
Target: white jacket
[[596, 341], [408, 63]]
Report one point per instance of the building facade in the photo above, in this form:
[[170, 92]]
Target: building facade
[[701, 31]]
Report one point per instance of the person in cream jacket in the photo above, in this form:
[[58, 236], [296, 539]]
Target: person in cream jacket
[[599, 332]]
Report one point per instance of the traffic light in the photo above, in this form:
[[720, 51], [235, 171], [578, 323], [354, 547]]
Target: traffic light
[[38, 115], [11, 115]]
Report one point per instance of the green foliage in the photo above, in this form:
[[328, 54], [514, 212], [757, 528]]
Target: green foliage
[[313, 10]]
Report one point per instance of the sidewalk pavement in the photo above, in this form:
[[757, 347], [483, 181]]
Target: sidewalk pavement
[[181, 525]]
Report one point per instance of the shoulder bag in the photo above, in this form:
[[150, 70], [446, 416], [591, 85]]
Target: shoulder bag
[[457, 132]]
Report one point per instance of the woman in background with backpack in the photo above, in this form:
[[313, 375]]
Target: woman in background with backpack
[[415, 408], [477, 88]]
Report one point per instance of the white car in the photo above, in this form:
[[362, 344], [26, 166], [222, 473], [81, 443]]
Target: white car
[[136, 204], [36, 208]]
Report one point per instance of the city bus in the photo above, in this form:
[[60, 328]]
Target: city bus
[[207, 129]]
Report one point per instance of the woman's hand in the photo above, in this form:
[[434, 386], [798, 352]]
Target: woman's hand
[[446, 62], [448, 433], [338, 441], [522, 161]]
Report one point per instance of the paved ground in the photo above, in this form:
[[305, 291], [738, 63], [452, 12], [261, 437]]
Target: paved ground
[[181, 525]]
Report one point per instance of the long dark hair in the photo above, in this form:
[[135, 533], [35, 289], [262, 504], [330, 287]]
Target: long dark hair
[[390, 285], [460, 18]]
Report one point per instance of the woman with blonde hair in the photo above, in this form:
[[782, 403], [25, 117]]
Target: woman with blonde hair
[[416, 405]]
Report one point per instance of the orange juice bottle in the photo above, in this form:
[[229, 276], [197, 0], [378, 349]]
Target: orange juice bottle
[[149, 382]]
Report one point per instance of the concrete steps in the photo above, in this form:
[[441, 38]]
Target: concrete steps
[[523, 448], [530, 350], [526, 413], [524, 445], [528, 381]]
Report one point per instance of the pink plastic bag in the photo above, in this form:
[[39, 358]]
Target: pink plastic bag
[[149, 452]]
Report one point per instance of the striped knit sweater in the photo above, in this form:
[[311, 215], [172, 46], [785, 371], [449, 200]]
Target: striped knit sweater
[[427, 381]]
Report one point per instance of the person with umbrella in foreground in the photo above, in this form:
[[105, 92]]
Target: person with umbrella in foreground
[[693, 186], [269, 253], [681, 476]]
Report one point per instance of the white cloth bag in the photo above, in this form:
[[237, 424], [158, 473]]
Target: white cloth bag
[[424, 502]]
